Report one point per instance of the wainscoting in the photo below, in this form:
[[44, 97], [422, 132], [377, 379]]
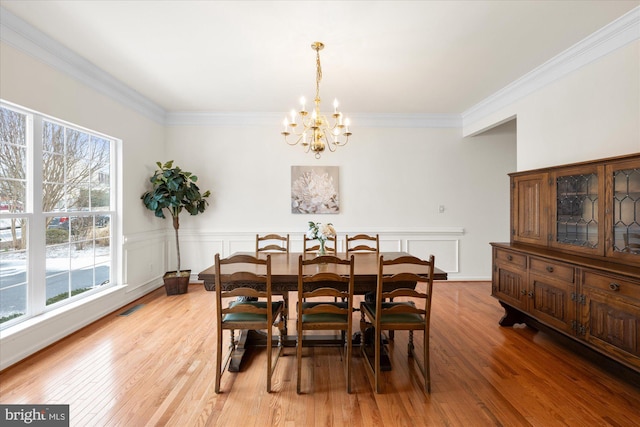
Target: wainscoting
[[443, 243]]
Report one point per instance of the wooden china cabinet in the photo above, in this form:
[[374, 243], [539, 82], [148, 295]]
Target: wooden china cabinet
[[573, 260]]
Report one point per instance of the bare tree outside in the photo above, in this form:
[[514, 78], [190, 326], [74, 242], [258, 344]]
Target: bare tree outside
[[75, 168], [13, 155]]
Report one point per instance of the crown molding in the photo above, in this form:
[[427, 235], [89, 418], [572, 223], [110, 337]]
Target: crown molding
[[26, 38], [369, 120], [609, 38]]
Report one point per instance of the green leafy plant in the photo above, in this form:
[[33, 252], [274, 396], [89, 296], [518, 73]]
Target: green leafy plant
[[174, 190]]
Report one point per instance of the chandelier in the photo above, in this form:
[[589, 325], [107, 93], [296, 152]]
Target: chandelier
[[316, 133]]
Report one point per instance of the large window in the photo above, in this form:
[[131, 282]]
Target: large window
[[56, 211]]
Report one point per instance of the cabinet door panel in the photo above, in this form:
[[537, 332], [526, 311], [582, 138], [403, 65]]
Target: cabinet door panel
[[509, 285], [612, 324], [530, 208], [553, 302]]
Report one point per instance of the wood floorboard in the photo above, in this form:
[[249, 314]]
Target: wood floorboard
[[156, 367]]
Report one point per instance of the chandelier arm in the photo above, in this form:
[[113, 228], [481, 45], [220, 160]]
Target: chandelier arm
[[329, 144], [339, 143], [286, 139]]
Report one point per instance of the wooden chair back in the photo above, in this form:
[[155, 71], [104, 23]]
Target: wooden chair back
[[325, 302], [362, 243], [244, 281], [272, 243]]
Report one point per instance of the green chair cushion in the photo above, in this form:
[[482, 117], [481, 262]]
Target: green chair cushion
[[251, 317], [395, 317], [324, 317]]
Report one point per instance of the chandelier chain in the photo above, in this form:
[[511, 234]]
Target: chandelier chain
[[318, 75]]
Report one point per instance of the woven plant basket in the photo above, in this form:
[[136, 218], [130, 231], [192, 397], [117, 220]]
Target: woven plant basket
[[176, 285]]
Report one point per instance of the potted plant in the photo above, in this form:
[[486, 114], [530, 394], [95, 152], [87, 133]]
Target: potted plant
[[175, 190]]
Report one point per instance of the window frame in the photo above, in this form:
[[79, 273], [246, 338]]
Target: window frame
[[36, 245]]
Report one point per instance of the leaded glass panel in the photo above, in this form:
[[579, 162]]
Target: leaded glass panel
[[626, 211], [577, 215]]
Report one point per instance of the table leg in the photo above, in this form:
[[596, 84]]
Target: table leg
[[238, 353], [368, 345]]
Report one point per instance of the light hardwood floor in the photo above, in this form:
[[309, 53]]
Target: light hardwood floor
[[155, 367]]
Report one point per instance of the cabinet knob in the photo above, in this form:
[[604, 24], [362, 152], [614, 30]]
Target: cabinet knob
[[530, 294], [509, 258], [614, 286], [523, 292], [550, 269]]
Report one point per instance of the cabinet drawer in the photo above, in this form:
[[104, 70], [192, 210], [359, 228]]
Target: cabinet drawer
[[612, 284], [543, 267], [511, 258]]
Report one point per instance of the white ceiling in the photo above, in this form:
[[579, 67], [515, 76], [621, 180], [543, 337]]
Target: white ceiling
[[380, 57]]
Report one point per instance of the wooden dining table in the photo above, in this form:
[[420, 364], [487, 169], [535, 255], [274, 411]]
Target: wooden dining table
[[284, 278]]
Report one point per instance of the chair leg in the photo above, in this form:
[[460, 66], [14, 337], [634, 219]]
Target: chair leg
[[218, 361], [378, 345], [427, 362], [299, 359], [349, 354], [269, 356]]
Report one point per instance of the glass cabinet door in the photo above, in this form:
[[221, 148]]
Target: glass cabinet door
[[578, 210], [625, 210]]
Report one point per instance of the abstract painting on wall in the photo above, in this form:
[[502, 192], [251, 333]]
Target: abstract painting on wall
[[314, 190]]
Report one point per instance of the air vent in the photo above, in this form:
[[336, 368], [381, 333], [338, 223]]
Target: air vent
[[131, 310]]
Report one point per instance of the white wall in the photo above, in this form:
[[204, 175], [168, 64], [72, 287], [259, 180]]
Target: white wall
[[591, 113], [392, 181]]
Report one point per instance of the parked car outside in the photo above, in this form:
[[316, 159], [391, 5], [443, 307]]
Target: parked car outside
[[59, 222]]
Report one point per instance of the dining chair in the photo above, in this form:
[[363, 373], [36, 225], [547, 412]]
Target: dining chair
[[272, 243], [246, 277], [412, 313], [275, 243], [315, 248], [319, 279], [362, 243]]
